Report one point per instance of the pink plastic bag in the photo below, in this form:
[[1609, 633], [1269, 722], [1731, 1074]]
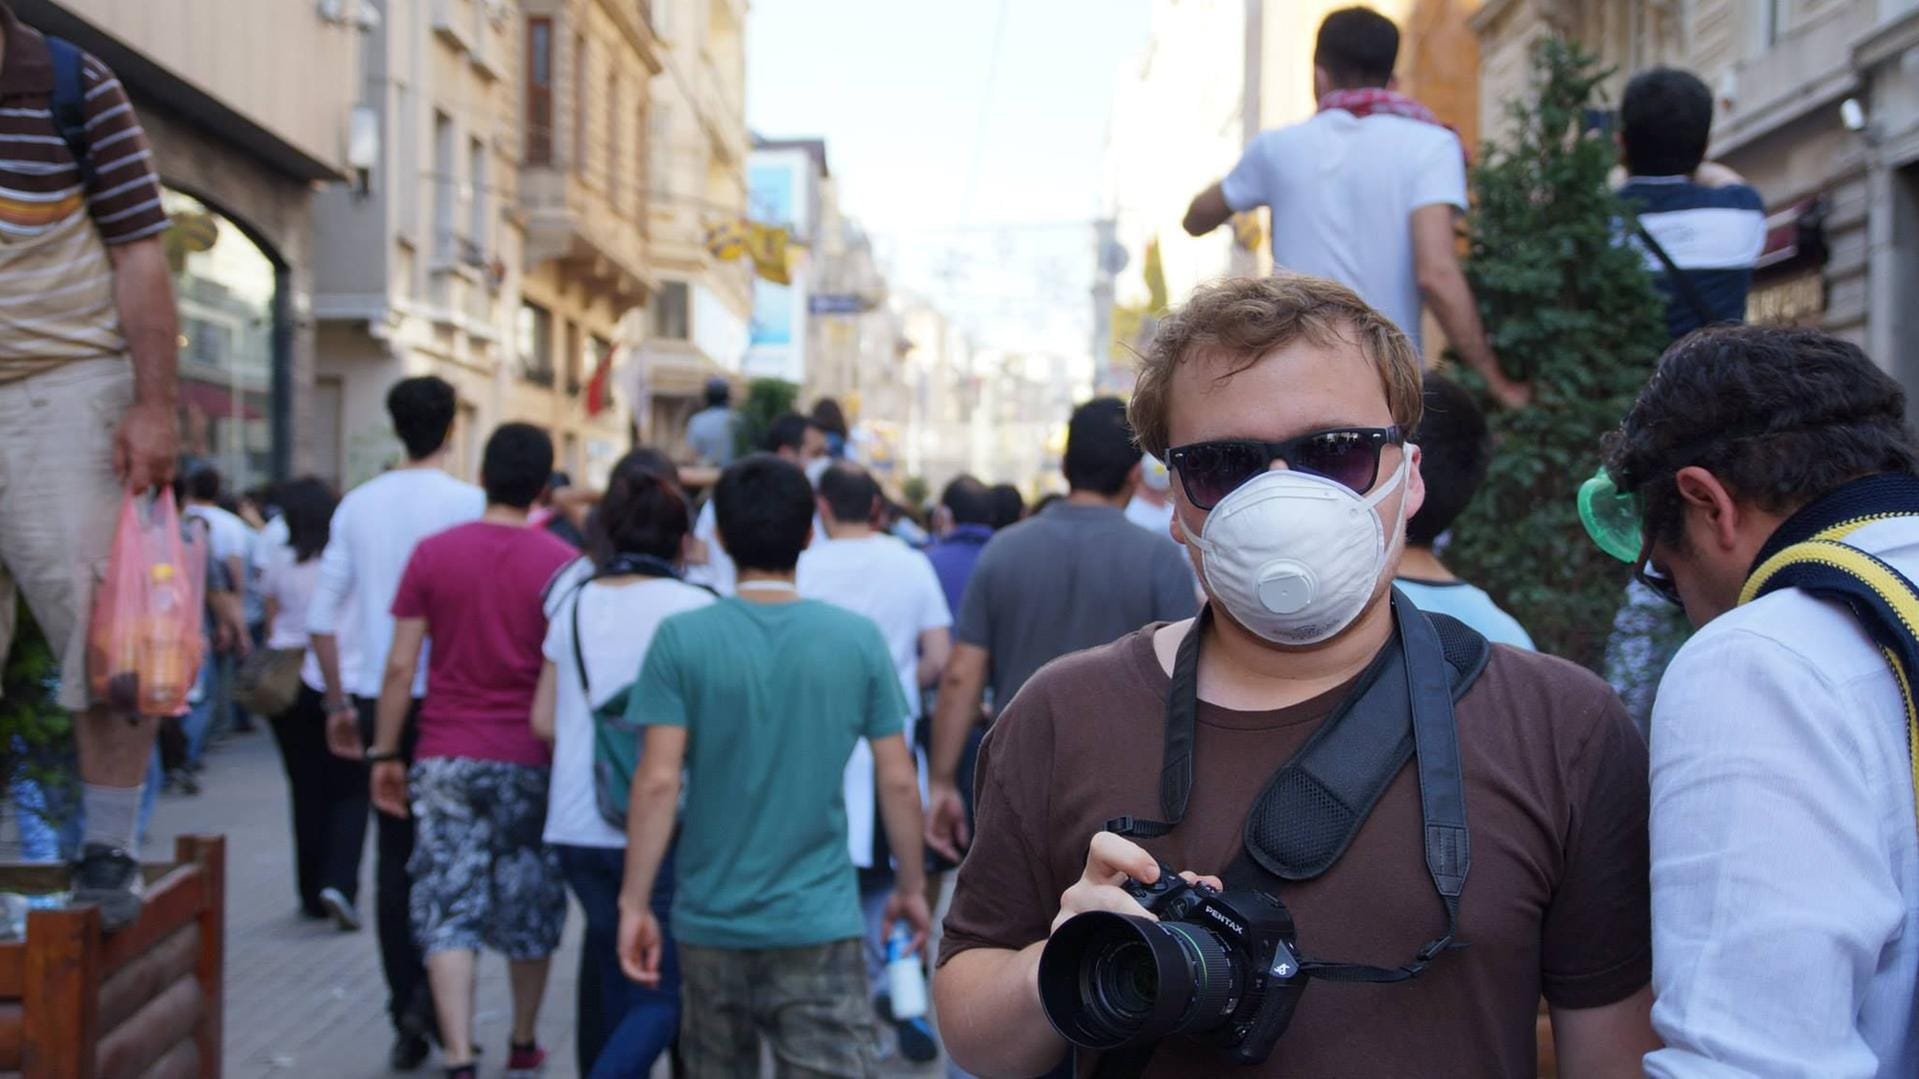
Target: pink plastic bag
[[144, 644]]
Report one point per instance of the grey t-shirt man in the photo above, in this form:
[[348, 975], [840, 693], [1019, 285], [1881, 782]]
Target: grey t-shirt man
[[710, 434], [1073, 577]]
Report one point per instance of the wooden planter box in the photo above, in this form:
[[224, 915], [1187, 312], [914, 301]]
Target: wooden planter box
[[144, 1002]]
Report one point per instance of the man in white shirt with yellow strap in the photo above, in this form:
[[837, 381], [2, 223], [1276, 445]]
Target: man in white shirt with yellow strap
[[1770, 477]]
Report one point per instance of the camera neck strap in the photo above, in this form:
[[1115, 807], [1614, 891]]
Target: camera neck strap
[[1307, 815]]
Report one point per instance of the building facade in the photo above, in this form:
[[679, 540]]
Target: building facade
[[695, 327], [241, 137], [1817, 106], [1213, 74], [585, 101], [418, 260], [787, 184]]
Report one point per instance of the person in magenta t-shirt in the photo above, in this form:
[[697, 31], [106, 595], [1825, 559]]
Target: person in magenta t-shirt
[[482, 877]]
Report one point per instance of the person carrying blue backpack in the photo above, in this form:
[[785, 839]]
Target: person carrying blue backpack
[[602, 612]]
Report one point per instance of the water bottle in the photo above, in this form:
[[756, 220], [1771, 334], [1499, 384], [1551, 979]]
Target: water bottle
[[905, 981]]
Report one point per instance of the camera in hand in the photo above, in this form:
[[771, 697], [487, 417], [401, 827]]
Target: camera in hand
[[1218, 967]]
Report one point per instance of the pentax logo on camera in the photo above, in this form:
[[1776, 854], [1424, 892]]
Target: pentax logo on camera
[[1224, 920]]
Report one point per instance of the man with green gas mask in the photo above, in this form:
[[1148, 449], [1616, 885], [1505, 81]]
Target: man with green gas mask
[[1765, 481]]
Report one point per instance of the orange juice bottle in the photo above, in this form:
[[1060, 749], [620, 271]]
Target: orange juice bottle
[[163, 649]]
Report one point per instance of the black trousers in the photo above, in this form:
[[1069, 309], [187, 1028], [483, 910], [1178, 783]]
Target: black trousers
[[409, 1000], [329, 796]]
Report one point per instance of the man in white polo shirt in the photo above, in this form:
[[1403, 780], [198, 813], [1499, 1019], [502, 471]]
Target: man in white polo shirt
[[873, 574], [373, 534], [1366, 193]]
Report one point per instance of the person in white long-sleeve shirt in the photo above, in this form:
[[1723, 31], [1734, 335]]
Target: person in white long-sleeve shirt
[[372, 536], [791, 436], [1785, 849]]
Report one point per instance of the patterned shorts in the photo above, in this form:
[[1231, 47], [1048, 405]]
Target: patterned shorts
[[482, 877], [811, 1003]]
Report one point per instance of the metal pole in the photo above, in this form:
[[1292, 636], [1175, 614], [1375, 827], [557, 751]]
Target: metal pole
[[1245, 263]]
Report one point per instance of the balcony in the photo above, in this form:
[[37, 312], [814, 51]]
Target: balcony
[[636, 25], [457, 22], [573, 224]]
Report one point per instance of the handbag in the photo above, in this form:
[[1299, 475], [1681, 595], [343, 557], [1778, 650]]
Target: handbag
[[268, 681]]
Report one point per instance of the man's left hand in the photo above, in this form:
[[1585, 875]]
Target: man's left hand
[[146, 445]]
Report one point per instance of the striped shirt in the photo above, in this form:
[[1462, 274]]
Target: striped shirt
[[40, 185], [1713, 234]]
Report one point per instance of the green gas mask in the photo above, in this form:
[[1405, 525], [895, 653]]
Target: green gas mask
[[1611, 517]]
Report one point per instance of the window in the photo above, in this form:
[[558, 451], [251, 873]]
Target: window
[[539, 91], [614, 162], [579, 104], [476, 199], [670, 312], [573, 356], [446, 191], [535, 332]]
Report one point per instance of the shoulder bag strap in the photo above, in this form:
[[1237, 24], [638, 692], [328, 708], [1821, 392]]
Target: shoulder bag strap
[[69, 104], [1883, 599], [1681, 280]]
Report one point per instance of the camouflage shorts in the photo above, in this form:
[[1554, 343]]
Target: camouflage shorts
[[482, 876], [809, 1003]]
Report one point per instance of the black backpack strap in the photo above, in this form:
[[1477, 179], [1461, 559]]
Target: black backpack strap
[[69, 104], [1681, 280], [579, 657]]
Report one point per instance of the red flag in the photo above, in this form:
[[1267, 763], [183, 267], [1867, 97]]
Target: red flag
[[599, 388]]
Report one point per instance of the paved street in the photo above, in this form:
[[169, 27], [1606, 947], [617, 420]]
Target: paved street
[[302, 998]]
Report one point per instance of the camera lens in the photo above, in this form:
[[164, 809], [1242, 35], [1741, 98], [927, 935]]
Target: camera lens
[[1112, 980], [1124, 981]]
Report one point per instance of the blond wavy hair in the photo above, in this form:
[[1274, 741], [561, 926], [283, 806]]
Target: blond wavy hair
[[1243, 319]]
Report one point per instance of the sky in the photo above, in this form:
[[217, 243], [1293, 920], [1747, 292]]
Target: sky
[[966, 136]]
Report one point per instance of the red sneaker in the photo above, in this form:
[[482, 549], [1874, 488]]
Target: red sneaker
[[524, 1061]]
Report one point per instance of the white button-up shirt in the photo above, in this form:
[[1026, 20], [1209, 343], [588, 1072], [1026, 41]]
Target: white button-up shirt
[[1785, 853]]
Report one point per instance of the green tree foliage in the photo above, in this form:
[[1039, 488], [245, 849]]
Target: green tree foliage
[[1570, 308], [767, 399], [36, 734], [915, 492]]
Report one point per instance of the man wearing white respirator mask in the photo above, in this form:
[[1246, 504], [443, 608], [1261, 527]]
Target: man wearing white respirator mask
[[1279, 405]]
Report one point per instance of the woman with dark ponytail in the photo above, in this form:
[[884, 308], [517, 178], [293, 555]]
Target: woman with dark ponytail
[[599, 627]]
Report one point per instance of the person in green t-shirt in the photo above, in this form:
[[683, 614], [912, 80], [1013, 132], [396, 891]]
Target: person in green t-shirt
[[761, 699]]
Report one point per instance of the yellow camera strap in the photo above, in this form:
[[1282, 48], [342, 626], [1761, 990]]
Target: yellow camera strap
[[1884, 600]]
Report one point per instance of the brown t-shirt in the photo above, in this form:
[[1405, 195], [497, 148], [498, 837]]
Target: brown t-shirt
[[1556, 902]]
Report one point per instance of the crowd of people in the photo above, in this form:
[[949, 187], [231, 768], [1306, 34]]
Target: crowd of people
[[762, 728]]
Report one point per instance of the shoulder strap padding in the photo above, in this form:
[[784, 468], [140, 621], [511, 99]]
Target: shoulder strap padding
[[1467, 651], [69, 103]]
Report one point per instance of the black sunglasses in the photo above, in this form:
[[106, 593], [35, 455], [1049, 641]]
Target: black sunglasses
[[1661, 585], [1349, 456]]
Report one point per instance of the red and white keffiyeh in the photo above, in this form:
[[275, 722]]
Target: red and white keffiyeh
[[1365, 101], [1369, 100]]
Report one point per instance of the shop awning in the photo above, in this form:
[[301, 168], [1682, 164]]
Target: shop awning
[[1795, 238], [218, 402]]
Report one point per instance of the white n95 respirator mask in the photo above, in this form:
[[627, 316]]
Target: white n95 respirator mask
[[1295, 558]]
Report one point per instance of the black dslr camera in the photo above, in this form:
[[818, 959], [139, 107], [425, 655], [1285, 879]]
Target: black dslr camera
[[1219, 967]]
